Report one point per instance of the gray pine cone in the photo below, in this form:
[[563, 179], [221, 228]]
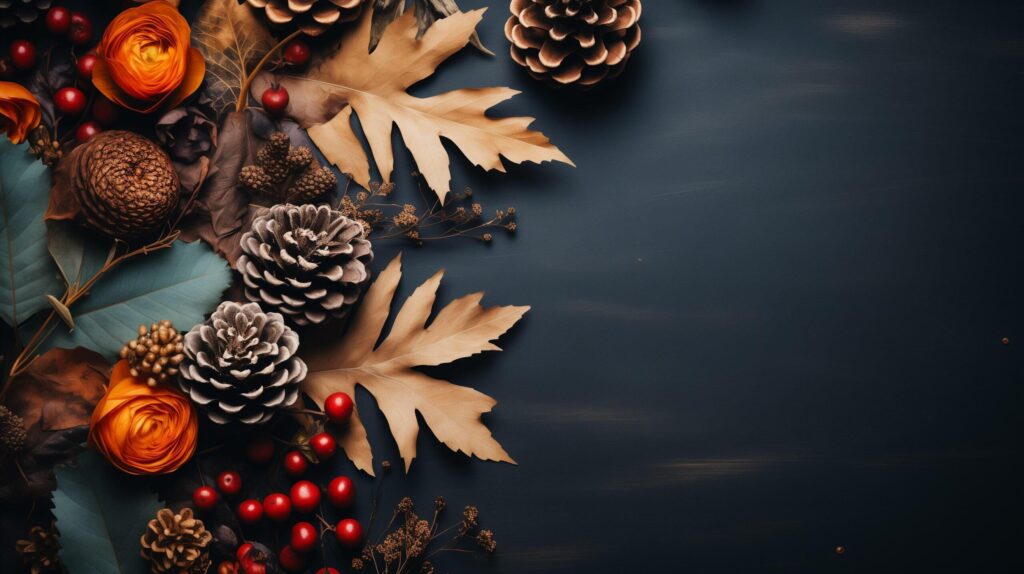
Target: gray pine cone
[[241, 365], [308, 262]]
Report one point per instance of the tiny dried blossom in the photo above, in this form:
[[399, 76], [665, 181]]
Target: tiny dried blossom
[[485, 539]]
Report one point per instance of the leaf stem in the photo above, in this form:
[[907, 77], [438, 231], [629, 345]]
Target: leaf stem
[[243, 95]]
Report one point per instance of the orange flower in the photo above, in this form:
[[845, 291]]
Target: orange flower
[[142, 429], [19, 111], [144, 61]]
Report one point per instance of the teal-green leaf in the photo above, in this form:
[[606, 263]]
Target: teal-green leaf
[[101, 515], [28, 273], [181, 284]]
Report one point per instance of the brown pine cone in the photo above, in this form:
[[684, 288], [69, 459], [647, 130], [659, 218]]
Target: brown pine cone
[[255, 178], [176, 543], [286, 173], [40, 552], [313, 17], [155, 354], [273, 158], [573, 42], [313, 183]]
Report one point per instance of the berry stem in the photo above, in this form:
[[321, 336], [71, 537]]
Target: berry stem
[[243, 95]]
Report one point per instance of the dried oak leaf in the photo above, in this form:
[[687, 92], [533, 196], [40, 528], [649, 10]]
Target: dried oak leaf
[[59, 389], [373, 87], [461, 329], [231, 40]]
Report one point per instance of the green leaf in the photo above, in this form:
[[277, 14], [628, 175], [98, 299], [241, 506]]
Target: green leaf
[[79, 253], [28, 273], [101, 514], [181, 284]]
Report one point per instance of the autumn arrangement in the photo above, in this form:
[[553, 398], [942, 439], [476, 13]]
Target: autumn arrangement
[[191, 200]]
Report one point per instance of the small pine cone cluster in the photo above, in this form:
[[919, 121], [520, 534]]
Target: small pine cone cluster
[[313, 17], [287, 173], [12, 432], [176, 543], [41, 551], [155, 354], [573, 42], [307, 262], [241, 365]]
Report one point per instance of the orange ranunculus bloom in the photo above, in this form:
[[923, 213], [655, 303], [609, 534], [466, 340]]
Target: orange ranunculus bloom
[[142, 429], [145, 61], [19, 111]]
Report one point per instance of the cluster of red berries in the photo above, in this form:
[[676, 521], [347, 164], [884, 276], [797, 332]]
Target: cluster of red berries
[[275, 98], [303, 498]]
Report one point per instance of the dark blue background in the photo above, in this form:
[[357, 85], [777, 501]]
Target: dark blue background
[[768, 304]]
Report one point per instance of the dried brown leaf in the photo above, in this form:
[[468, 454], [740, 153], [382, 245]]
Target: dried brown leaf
[[59, 389], [231, 40], [373, 87], [461, 329]]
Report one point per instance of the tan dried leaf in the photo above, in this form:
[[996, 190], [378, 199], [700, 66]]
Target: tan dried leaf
[[461, 329], [373, 86], [231, 40], [59, 389]]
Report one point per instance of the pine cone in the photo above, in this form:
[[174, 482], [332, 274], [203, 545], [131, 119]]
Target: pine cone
[[313, 17], [41, 551], [579, 42], [43, 146], [21, 11], [287, 173], [313, 183], [176, 543], [273, 158], [155, 354], [308, 262], [241, 366], [124, 183], [12, 432]]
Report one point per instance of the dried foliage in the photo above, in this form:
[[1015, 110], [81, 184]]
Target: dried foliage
[[59, 389], [426, 11], [461, 329]]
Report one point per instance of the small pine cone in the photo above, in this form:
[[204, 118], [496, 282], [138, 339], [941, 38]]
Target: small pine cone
[[299, 157], [313, 183], [155, 354], [255, 178], [12, 432], [44, 146], [309, 262], [241, 365], [573, 42], [176, 543], [40, 552], [273, 158]]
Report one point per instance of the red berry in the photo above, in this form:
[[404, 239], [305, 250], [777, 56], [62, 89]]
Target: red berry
[[104, 111], [58, 20], [229, 482], [277, 506], [305, 496], [323, 445], [303, 536], [338, 407], [294, 463], [23, 54], [349, 533], [204, 498], [341, 492], [255, 568], [250, 511], [297, 53], [81, 29], [275, 100], [85, 65], [87, 131], [69, 101], [243, 551], [328, 570], [260, 449], [291, 560]]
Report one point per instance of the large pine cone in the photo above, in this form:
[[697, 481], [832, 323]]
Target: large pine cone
[[176, 543], [578, 42], [313, 17], [124, 184], [306, 261], [241, 366], [21, 11]]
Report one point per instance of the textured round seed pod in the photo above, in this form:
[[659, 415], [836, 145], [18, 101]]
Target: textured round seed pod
[[240, 365], [573, 42], [176, 543], [313, 17], [155, 354], [125, 184], [21, 11], [307, 262]]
